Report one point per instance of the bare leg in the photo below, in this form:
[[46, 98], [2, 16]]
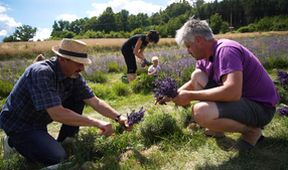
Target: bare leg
[[131, 77], [206, 114]]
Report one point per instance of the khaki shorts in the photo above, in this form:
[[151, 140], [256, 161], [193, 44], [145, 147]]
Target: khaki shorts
[[245, 111]]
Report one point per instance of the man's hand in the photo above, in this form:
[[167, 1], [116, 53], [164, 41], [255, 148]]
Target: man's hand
[[182, 99], [123, 121], [106, 128], [163, 100]]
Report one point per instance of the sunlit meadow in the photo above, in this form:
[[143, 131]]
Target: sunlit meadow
[[166, 138]]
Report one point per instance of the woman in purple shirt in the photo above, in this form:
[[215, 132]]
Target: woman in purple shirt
[[235, 92]]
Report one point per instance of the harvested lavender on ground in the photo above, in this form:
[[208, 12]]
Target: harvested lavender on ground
[[283, 77], [283, 111], [166, 87], [135, 117]]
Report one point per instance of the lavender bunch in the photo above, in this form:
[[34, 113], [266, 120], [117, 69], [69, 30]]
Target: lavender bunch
[[282, 77], [145, 63], [283, 111], [166, 87], [135, 117]]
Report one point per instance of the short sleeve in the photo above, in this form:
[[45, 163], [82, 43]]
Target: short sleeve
[[230, 60], [81, 89]]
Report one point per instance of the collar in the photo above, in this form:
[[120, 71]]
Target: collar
[[58, 71]]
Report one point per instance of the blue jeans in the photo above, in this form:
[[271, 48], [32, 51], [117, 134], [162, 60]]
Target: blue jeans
[[39, 146]]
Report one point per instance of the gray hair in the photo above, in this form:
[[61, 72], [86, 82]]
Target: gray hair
[[191, 29]]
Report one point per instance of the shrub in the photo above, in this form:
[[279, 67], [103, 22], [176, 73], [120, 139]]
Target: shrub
[[158, 126], [102, 91], [185, 117], [143, 83], [5, 88], [96, 77], [186, 74], [113, 67], [90, 147], [275, 62], [249, 28], [121, 89]]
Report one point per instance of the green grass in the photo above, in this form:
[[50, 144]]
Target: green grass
[[189, 150]]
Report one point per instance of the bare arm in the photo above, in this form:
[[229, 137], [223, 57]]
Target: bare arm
[[69, 117], [231, 90], [106, 110], [138, 52], [102, 107]]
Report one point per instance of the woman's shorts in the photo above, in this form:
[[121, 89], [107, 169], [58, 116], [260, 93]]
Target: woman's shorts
[[130, 60]]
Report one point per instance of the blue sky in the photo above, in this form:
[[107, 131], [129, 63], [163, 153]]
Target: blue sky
[[42, 13]]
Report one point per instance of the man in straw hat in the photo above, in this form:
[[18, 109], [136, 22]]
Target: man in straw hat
[[52, 90]]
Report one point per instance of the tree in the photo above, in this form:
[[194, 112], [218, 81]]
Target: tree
[[24, 32], [106, 21], [216, 23]]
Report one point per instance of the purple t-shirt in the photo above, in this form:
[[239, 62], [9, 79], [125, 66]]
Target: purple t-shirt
[[230, 56]]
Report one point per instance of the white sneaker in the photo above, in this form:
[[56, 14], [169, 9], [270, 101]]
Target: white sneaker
[[8, 151]]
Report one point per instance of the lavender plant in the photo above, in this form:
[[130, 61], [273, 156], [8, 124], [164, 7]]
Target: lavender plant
[[135, 117], [166, 87], [282, 77], [283, 111]]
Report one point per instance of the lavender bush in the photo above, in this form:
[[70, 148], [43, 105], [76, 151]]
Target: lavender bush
[[282, 77], [283, 111]]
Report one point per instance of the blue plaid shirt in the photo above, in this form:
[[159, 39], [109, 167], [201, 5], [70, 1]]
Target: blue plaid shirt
[[41, 86]]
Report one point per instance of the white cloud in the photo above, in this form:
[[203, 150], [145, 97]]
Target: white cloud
[[42, 34], [7, 20], [3, 33], [2, 9], [7, 23], [133, 6], [67, 17]]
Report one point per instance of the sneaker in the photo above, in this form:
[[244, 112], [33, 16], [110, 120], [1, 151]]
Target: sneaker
[[8, 151], [124, 79]]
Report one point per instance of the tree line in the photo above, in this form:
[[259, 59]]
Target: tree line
[[223, 16]]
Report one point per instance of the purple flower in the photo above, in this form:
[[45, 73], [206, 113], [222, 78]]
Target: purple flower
[[145, 63], [283, 111], [135, 117], [282, 77], [165, 87]]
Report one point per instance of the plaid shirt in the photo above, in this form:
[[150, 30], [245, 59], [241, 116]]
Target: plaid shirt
[[41, 86]]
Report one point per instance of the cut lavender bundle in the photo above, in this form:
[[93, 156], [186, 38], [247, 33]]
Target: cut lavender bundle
[[283, 111], [166, 87], [135, 117], [145, 63]]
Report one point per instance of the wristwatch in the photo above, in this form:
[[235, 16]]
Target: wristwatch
[[117, 118]]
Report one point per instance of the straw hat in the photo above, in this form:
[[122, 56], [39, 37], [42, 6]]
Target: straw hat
[[74, 50]]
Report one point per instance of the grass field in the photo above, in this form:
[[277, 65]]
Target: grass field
[[187, 149]]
